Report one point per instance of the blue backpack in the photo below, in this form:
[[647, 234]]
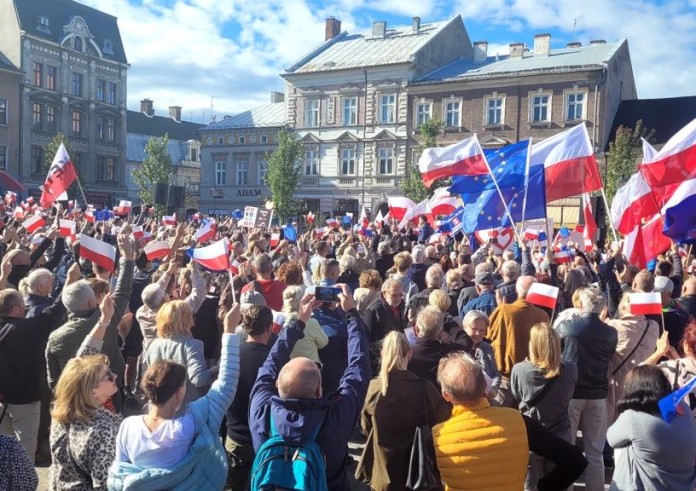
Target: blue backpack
[[282, 465]]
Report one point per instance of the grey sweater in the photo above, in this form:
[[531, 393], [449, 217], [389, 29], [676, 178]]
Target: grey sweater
[[653, 454]]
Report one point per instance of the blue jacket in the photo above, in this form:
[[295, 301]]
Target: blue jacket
[[485, 302], [205, 466], [297, 418]]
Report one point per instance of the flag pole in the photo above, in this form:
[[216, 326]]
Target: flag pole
[[606, 206], [526, 182], [500, 193]]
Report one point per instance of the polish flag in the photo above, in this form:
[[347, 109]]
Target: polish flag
[[97, 251], [399, 205], [67, 227], [278, 321], [124, 207], [569, 163], [442, 203], [562, 255], [364, 221], [531, 234], [234, 267], [645, 242], [169, 219], [590, 229], [275, 240], [422, 208], [10, 197], [542, 295], [633, 202], [645, 303], [157, 250], [464, 158], [331, 222], [138, 232], [379, 219], [60, 176], [19, 212], [675, 162], [33, 223], [321, 232], [310, 217], [213, 257], [205, 233], [89, 215]]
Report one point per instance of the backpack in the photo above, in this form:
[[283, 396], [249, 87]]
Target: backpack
[[281, 465]]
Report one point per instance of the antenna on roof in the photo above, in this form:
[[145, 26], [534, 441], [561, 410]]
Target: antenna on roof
[[212, 108], [575, 24]]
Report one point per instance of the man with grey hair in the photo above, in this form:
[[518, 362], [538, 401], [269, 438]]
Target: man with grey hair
[[385, 315], [38, 286], [418, 267], [434, 279], [429, 349], [589, 343], [506, 292], [509, 335]]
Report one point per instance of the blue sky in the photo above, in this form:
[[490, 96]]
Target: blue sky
[[182, 52]]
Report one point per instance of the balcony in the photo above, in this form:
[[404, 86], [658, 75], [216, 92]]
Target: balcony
[[309, 181], [346, 181]]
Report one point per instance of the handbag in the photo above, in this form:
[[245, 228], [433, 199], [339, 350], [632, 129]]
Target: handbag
[[423, 473]]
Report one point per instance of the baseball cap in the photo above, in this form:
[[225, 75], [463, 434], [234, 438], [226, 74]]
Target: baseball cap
[[663, 284], [484, 279]]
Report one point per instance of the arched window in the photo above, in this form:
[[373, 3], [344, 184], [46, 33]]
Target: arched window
[[77, 44]]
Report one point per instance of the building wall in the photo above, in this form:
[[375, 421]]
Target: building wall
[[10, 43], [10, 86], [619, 86]]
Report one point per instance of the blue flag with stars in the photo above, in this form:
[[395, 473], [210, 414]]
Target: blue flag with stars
[[508, 165], [453, 222]]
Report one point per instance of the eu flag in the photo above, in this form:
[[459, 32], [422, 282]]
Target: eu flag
[[453, 222], [508, 165]]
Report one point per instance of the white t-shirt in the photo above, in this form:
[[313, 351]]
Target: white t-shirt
[[165, 447]]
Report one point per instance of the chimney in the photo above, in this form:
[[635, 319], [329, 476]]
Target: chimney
[[175, 113], [480, 51], [333, 28], [146, 107], [415, 25], [542, 44], [598, 41], [277, 96], [379, 29], [574, 44], [516, 50]]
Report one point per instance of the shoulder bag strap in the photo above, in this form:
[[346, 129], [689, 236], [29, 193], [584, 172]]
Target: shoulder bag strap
[[543, 392], [647, 326]]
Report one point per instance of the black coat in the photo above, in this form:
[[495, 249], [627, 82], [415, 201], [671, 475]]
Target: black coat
[[426, 355], [380, 321]]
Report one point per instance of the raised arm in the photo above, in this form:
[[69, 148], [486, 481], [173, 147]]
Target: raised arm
[[197, 295]]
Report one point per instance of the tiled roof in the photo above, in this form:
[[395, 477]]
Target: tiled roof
[[363, 50], [564, 59], [140, 124], [268, 115], [135, 148], [59, 12], [666, 116]]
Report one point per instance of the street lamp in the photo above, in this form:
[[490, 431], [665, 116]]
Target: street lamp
[[215, 193]]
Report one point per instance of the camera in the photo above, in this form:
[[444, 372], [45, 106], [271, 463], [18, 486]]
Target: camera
[[327, 293]]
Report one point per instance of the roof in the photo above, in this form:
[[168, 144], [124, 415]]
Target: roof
[[135, 148], [60, 12], [363, 50], [269, 115], [7, 65], [564, 59], [666, 116], [141, 124]]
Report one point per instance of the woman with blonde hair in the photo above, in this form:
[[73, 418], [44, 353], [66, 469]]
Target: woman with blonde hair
[[397, 401], [174, 342], [314, 336], [368, 291], [450, 324], [543, 386]]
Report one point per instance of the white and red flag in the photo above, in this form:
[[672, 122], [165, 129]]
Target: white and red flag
[[124, 207], [543, 295], [97, 251], [234, 267], [646, 303], [33, 223], [18, 212], [67, 227], [275, 240], [590, 229], [399, 205], [569, 163], [464, 158], [633, 202], [157, 250], [89, 214], [138, 231], [562, 255], [443, 203], [60, 176], [310, 217], [170, 220], [331, 222], [214, 257], [321, 232], [364, 221], [675, 162], [645, 242], [205, 232]]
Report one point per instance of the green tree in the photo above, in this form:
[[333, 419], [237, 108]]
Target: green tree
[[284, 172], [624, 153], [50, 153], [412, 185], [156, 167]]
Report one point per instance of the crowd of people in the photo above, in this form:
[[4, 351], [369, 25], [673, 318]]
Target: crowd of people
[[161, 374]]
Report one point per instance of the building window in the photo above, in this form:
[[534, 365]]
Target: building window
[[3, 158], [220, 140], [350, 111], [494, 110], [36, 115], [108, 47], [110, 129], [78, 44], [3, 111], [37, 159], [101, 90], [386, 160], [194, 154], [112, 93], [76, 123], [312, 113], [311, 163], [387, 108], [423, 113], [106, 168], [220, 173], [230, 140], [38, 74], [51, 77], [264, 139], [50, 118], [453, 114], [77, 84], [241, 140], [540, 108], [100, 128], [209, 140], [575, 106], [43, 24], [261, 172], [348, 161], [242, 172], [252, 139]]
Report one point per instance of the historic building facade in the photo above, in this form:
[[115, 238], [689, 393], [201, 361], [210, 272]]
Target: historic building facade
[[75, 75], [10, 93]]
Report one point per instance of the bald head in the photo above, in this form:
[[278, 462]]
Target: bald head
[[689, 287], [19, 257], [523, 285], [461, 379], [300, 378]]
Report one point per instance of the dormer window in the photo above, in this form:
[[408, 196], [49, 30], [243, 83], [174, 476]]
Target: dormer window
[[108, 47], [42, 24], [78, 44]]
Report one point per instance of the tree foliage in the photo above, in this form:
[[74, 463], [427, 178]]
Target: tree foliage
[[156, 167], [50, 153], [284, 172], [624, 154], [412, 185]]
